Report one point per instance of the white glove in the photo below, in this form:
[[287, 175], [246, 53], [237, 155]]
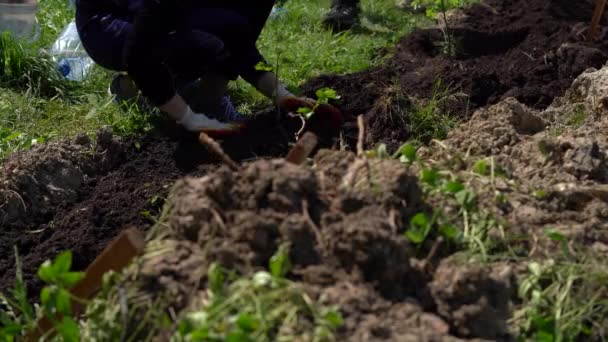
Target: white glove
[[196, 122]]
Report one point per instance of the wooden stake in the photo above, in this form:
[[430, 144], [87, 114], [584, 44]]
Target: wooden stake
[[361, 137], [597, 17], [217, 150], [115, 257], [303, 148]]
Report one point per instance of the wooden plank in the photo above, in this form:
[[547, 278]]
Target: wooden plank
[[115, 257], [597, 17], [303, 148]]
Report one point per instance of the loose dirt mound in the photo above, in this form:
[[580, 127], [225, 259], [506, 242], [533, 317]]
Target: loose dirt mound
[[77, 196], [344, 220], [557, 158], [347, 247], [528, 49]]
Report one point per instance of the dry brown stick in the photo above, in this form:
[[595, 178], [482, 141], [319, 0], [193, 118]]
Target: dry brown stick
[[597, 17], [432, 253], [217, 150], [115, 257], [303, 148], [361, 138]]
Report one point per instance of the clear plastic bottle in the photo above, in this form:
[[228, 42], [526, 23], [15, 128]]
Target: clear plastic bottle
[[72, 60]]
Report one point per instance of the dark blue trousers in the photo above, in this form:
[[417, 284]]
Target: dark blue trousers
[[214, 35]]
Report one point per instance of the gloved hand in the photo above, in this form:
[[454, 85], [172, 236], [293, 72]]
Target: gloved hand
[[196, 122]]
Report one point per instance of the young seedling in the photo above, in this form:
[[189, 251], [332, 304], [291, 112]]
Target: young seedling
[[263, 307], [323, 97], [406, 154]]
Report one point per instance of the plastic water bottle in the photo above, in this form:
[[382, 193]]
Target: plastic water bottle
[[71, 58]]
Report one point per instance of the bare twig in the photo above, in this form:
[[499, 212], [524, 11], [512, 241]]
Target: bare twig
[[361, 138], [597, 17], [448, 35], [312, 223], [217, 150], [432, 253]]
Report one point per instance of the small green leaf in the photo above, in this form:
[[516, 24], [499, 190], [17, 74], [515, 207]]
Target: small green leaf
[[449, 231], [216, 279], [453, 187], [555, 236], [236, 336], [465, 198], [304, 110], [544, 336], [430, 176], [69, 330], [46, 296], [63, 302], [46, 272], [199, 335], [535, 269], [334, 318], [247, 323], [481, 168], [62, 263], [11, 331], [279, 262], [69, 279], [420, 226], [326, 94], [540, 194], [407, 153], [12, 136]]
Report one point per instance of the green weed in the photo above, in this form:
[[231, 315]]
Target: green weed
[[467, 225], [432, 120], [19, 316], [564, 300], [264, 307]]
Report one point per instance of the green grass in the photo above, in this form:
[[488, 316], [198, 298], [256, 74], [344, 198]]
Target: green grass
[[36, 105]]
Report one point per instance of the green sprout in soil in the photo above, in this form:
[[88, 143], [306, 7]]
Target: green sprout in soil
[[264, 307], [432, 120], [18, 316], [323, 97], [467, 225]]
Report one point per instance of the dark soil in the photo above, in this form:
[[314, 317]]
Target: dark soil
[[344, 218], [346, 243], [528, 49], [78, 196]]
